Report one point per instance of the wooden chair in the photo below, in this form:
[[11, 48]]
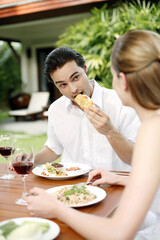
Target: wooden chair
[[38, 101], [45, 112]]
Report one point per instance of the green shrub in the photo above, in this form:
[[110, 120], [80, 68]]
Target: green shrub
[[10, 77], [3, 115], [94, 37]]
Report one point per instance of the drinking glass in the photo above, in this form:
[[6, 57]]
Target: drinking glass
[[22, 162], [6, 149]]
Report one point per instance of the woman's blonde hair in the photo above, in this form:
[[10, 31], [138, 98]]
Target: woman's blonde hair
[[137, 54]]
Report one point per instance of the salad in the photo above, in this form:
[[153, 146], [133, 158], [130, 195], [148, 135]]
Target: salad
[[28, 230], [48, 170]]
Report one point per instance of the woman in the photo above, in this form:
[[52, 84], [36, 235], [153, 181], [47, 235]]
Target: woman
[[136, 78]]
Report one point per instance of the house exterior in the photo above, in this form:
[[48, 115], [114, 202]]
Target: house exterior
[[37, 25]]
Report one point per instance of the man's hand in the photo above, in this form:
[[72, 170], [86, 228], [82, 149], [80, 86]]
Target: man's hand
[[103, 124], [18, 158], [99, 119]]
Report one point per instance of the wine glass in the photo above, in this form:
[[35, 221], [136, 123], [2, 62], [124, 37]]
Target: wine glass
[[22, 162], [6, 149]]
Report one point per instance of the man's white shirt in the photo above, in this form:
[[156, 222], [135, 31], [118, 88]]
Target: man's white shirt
[[71, 134]]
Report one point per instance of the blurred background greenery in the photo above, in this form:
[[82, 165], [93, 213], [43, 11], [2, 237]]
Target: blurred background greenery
[[94, 37], [10, 77]]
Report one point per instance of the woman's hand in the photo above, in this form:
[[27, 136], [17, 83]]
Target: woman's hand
[[101, 176], [42, 204]]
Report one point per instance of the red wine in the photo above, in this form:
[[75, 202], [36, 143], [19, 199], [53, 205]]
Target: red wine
[[5, 151], [23, 167]]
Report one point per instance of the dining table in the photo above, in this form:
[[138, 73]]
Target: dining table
[[12, 189]]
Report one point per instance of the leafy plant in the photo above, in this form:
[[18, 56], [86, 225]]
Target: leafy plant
[[94, 37], [3, 115], [10, 80]]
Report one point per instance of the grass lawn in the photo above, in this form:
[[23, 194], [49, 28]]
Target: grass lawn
[[37, 141], [22, 139]]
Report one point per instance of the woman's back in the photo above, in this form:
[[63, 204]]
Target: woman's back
[[150, 229]]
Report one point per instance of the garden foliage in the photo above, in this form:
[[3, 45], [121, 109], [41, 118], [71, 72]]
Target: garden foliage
[[94, 37], [10, 80]]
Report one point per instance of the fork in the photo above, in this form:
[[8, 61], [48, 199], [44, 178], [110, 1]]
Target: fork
[[82, 184]]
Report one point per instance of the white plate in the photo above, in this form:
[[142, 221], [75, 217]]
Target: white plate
[[52, 232], [99, 192], [70, 174]]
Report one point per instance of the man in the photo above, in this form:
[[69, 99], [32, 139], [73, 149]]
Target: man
[[102, 136]]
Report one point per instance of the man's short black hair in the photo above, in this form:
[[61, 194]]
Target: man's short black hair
[[58, 57]]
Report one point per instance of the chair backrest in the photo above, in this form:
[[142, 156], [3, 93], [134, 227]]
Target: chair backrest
[[38, 101]]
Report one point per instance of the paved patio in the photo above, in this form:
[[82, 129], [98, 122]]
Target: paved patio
[[30, 127]]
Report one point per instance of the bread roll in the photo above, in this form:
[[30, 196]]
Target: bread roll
[[84, 101]]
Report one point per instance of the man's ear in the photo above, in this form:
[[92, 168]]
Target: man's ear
[[123, 81]]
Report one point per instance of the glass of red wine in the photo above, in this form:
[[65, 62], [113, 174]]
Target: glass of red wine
[[6, 150], [23, 162]]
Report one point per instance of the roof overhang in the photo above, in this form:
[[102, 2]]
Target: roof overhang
[[27, 10], [41, 20], [39, 31]]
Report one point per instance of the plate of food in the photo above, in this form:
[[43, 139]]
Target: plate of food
[[78, 196], [61, 171], [28, 228]]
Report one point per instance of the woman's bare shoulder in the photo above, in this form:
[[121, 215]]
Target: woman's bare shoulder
[[151, 126]]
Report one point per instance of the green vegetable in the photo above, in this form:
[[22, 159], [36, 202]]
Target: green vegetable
[[2, 238], [43, 225], [51, 169], [75, 189], [27, 231], [6, 228]]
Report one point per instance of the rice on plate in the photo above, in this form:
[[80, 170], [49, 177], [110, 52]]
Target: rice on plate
[[74, 195]]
